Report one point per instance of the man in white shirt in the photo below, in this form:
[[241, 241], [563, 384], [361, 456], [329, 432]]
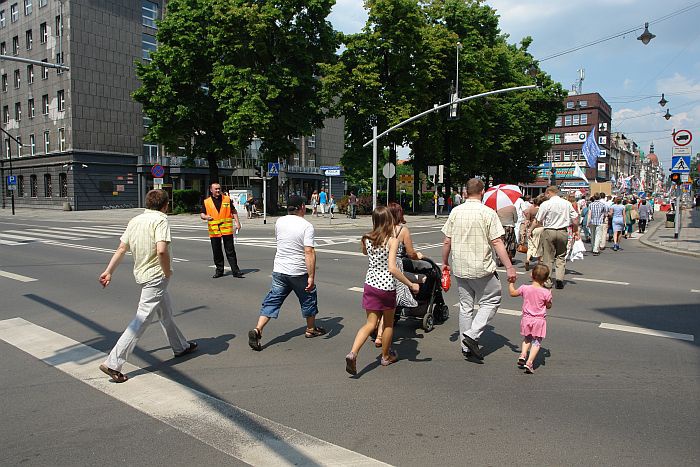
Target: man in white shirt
[[293, 271], [556, 215], [148, 238]]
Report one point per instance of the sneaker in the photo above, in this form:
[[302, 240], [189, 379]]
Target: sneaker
[[254, 339], [560, 285], [473, 346], [351, 363], [529, 369], [191, 347]]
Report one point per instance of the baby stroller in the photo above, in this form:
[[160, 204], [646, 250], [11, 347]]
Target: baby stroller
[[431, 307]]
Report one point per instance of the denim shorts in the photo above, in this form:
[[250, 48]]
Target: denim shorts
[[282, 286]]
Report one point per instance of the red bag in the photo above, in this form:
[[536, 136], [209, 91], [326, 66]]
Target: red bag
[[446, 280]]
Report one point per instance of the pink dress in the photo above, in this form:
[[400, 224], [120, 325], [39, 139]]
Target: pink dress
[[535, 299]]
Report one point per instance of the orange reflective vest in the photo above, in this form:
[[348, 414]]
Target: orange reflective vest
[[222, 221]]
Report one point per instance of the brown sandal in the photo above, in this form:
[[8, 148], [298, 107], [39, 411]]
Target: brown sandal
[[315, 332], [117, 376]]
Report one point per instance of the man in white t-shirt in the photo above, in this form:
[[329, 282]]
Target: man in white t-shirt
[[293, 271]]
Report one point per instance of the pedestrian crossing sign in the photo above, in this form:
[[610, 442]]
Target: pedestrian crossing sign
[[273, 169], [680, 164]]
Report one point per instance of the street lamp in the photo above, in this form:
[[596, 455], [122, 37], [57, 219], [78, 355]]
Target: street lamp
[[663, 100], [646, 36], [668, 115]]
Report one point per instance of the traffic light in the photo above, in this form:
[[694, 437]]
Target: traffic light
[[676, 178], [259, 171]]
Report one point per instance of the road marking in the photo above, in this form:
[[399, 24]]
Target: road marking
[[582, 279], [234, 431], [17, 277], [94, 248], [340, 252], [695, 290], [356, 289], [428, 246], [648, 332], [21, 238], [11, 243], [503, 311], [44, 234]]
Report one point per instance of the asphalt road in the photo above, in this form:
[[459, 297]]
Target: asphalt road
[[599, 397]]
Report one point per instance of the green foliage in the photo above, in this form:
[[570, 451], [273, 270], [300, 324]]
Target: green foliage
[[185, 201]]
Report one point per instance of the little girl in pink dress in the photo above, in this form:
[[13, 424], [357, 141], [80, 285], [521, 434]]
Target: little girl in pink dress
[[533, 325]]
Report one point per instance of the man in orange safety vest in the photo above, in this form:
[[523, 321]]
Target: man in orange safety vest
[[221, 215]]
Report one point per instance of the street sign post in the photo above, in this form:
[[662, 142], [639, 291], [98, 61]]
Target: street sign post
[[11, 180], [273, 169], [680, 164]]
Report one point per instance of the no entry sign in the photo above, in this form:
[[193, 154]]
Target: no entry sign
[[682, 138]]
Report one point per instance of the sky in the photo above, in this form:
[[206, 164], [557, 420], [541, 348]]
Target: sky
[[629, 75]]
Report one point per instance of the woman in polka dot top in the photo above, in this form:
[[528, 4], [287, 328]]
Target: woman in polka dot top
[[379, 296]]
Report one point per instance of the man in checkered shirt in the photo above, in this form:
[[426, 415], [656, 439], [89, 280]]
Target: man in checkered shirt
[[472, 233], [597, 222]]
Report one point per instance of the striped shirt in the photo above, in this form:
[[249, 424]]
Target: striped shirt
[[596, 212], [141, 236]]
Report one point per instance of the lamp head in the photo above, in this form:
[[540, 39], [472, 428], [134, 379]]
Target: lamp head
[[663, 100], [668, 115], [646, 36]]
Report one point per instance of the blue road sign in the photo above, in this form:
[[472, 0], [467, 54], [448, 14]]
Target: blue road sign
[[329, 167], [12, 179], [273, 169], [157, 171], [680, 164]]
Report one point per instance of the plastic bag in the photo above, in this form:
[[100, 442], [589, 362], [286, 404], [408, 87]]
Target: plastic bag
[[577, 250], [446, 280]]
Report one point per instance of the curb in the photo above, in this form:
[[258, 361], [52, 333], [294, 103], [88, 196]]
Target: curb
[[666, 249]]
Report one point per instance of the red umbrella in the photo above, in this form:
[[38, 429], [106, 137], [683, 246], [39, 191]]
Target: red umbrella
[[501, 196]]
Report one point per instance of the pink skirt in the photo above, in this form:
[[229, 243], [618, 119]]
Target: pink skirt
[[534, 327], [374, 299]]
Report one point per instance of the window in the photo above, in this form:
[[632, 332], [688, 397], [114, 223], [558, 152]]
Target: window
[[61, 98], [18, 79], [567, 156], [18, 111], [15, 45], [29, 41], [311, 141], [150, 151], [48, 190], [149, 13], [20, 186], [2, 19], [42, 3], [14, 13], [602, 140], [4, 82], [558, 121], [63, 185], [33, 188], [584, 119], [32, 145], [47, 141], [557, 155], [44, 33], [3, 48], [30, 108], [19, 146], [6, 115], [148, 45], [570, 105], [61, 139], [583, 103], [59, 26], [45, 104], [30, 74], [59, 61], [567, 120], [44, 70], [7, 148], [147, 122], [575, 119], [557, 138], [27, 7]]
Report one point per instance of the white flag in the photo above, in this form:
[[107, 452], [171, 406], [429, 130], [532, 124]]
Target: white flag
[[579, 173]]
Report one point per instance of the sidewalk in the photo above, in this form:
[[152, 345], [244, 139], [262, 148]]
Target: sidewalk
[[661, 237]]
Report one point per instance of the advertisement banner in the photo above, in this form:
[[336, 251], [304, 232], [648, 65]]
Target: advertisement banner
[[578, 137]]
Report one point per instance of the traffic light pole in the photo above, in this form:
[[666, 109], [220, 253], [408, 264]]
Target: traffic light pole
[[677, 221], [264, 180], [9, 156]]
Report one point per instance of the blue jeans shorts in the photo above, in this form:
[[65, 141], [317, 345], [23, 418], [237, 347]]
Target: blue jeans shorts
[[282, 286]]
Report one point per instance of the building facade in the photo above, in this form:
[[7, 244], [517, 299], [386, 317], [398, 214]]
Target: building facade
[[82, 134]]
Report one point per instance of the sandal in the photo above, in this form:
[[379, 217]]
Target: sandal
[[529, 368], [521, 361], [393, 358], [117, 376], [351, 363], [315, 332], [254, 336], [190, 348], [378, 342]]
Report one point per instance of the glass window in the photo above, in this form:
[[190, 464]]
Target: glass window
[[567, 120], [5, 114], [575, 119], [30, 108], [7, 148], [42, 3], [29, 41], [33, 188], [59, 61], [602, 139], [583, 103], [557, 155], [47, 141], [584, 119], [61, 98], [148, 45], [2, 18], [557, 138], [18, 111], [48, 190], [61, 139], [27, 7], [558, 121], [30, 74], [15, 45], [63, 185], [18, 79], [45, 104], [4, 82], [311, 141], [567, 156], [59, 26], [43, 32], [14, 13], [3, 48], [19, 146], [149, 13], [45, 70], [32, 144], [570, 105], [20, 186]]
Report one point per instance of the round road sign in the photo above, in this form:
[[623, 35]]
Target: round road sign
[[682, 138], [157, 171], [389, 170]]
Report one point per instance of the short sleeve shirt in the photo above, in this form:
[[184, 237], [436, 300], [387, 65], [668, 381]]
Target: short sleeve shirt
[[141, 236], [293, 233], [556, 213], [472, 226], [535, 300], [322, 197]]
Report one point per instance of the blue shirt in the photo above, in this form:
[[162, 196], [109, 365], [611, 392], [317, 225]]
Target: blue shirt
[[322, 197]]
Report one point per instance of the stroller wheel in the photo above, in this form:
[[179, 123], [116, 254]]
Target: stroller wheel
[[428, 322]]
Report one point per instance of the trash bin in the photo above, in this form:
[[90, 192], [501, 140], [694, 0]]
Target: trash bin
[[66, 206], [670, 219]]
